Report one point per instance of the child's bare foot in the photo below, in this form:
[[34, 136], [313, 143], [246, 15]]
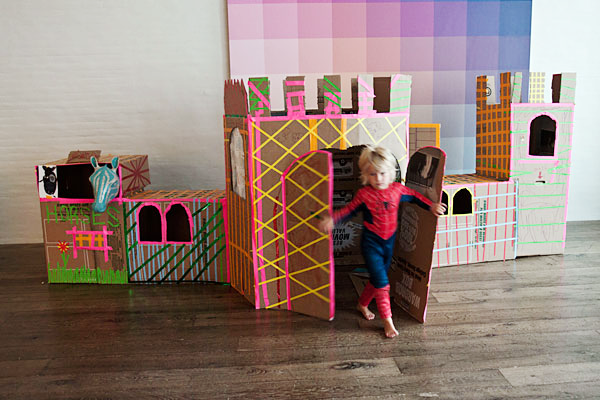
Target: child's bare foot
[[390, 329], [365, 311]]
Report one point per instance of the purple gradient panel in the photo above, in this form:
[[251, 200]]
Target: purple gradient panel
[[349, 20], [416, 54], [483, 18], [513, 53], [281, 56], [247, 57], [416, 19], [515, 18], [315, 20], [383, 54], [482, 52], [422, 87], [471, 83], [450, 18], [241, 12], [383, 19], [281, 21], [450, 53], [316, 55], [451, 118], [449, 87], [349, 55]]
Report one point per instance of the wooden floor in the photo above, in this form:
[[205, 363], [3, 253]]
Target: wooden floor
[[525, 328]]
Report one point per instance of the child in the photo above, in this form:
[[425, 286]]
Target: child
[[379, 200]]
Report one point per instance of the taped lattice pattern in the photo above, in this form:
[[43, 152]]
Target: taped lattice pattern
[[277, 143], [493, 131], [537, 86], [308, 273]]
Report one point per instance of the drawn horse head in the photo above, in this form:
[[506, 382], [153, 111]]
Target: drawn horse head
[[105, 183]]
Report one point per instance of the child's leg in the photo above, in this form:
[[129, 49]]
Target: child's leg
[[382, 297], [364, 300]]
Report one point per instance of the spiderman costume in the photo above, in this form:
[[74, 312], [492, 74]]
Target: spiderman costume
[[380, 215]]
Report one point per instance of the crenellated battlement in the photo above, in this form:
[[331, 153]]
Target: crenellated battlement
[[370, 95]]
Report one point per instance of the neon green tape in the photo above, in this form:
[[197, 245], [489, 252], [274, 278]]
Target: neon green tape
[[555, 223], [542, 184], [331, 83], [399, 90], [398, 108], [548, 241], [543, 195], [540, 208]]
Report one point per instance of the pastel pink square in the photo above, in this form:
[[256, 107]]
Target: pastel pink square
[[416, 53], [383, 19], [349, 20], [422, 87], [281, 56], [245, 21], [247, 57], [349, 55], [383, 55], [417, 19], [315, 20], [280, 21], [316, 55]]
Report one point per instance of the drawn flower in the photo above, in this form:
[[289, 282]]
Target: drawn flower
[[63, 247]]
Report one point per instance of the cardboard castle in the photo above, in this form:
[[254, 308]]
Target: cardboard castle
[[143, 236], [285, 170]]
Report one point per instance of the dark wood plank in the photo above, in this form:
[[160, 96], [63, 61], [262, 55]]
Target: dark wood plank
[[519, 329]]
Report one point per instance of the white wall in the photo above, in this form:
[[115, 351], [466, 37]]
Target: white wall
[[126, 77], [146, 77], [565, 37]]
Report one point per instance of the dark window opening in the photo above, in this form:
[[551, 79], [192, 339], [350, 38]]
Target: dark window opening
[[150, 224], [74, 181], [445, 201], [381, 86], [422, 169], [462, 202], [542, 136], [178, 224]]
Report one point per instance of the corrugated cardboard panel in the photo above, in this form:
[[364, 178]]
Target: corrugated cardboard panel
[[239, 216], [410, 273], [493, 130], [543, 176], [70, 233], [202, 259], [309, 264]]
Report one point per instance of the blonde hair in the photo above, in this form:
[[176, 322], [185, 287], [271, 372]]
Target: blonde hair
[[380, 158]]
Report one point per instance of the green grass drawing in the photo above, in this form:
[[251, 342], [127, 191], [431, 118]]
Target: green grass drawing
[[85, 275]]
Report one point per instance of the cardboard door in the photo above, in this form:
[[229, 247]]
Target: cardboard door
[[307, 198], [410, 272]]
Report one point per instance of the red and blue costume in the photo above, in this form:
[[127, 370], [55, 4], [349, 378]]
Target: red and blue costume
[[380, 215]]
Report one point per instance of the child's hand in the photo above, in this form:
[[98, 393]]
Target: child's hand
[[438, 209], [326, 224]]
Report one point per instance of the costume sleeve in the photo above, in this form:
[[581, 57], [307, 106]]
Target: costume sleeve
[[349, 210], [412, 196]]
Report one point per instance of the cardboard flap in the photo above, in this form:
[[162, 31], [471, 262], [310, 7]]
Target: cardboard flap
[[411, 265], [309, 252], [82, 156]]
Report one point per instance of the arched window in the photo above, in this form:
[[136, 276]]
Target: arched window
[[462, 202], [238, 163], [542, 136], [178, 221], [150, 224], [445, 202]]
